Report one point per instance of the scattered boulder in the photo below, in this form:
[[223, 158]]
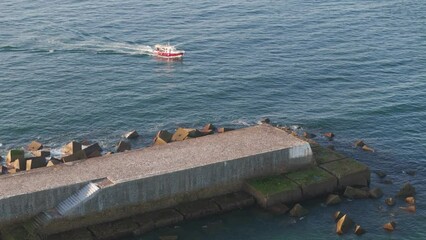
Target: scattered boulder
[[309, 135], [355, 193], [71, 148], [344, 224], [406, 191], [367, 148], [410, 200], [359, 143], [359, 230], [222, 130], [390, 201], [380, 174], [376, 193], [34, 146], [411, 208], [131, 135], [279, 208], [333, 199], [337, 216], [390, 226], [123, 146], [162, 137], [298, 211]]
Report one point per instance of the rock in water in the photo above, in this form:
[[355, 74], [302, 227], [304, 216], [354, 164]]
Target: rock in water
[[376, 193], [390, 201], [280, 208], [359, 143], [265, 120], [131, 135], [337, 216], [309, 135], [355, 193], [298, 211], [367, 148], [406, 191], [410, 200], [380, 173], [390, 226], [329, 135], [71, 148], [333, 199], [411, 208], [359, 230], [344, 224]]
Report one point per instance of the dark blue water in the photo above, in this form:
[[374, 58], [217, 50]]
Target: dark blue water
[[81, 70]]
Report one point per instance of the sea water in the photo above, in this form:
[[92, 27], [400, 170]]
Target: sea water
[[83, 70]]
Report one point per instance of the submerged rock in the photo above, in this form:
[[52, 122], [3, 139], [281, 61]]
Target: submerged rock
[[298, 211], [280, 208], [333, 199], [410, 172], [411, 208], [380, 174], [265, 120], [359, 143], [329, 135], [355, 193], [406, 191], [309, 135], [376, 193], [390, 201], [367, 148]]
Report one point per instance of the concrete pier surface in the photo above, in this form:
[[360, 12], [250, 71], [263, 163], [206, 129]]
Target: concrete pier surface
[[87, 192]]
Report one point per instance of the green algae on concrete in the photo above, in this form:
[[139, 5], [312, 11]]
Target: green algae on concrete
[[272, 190], [349, 172], [325, 155], [314, 181]]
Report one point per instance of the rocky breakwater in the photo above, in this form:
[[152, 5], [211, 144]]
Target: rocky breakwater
[[190, 176]]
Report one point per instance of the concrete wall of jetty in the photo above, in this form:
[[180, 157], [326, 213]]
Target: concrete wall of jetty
[[156, 188]]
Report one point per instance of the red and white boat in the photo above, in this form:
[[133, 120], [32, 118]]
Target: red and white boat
[[167, 51]]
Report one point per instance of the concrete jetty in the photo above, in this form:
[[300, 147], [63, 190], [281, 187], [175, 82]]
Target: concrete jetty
[[82, 193]]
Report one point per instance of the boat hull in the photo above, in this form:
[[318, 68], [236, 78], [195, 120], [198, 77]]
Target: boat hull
[[168, 55]]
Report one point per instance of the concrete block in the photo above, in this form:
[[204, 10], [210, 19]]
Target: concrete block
[[71, 148], [185, 133], [41, 153], [198, 209], [80, 234], [113, 230], [233, 201], [80, 155], [314, 182], [325, 155], [272, 190], [348, 172], [123, 146], [52, 162], [208, 127], [14, 154], [145, 222], [131, 135], [163, 137], [34, 146], [223, 129], [93, 150]]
